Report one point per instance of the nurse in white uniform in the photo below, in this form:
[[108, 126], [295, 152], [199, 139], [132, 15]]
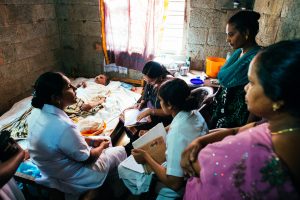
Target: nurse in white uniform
[[67, 161]]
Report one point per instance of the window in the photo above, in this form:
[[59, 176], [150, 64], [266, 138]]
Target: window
[[172, 40]]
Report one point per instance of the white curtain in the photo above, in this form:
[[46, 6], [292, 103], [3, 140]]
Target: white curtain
[[132, 29]]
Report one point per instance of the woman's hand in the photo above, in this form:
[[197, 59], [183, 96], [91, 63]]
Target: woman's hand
[[136, 106], [12, 149], [102, 100], [86, 107], [188, 156], [104, 144], [144, 114], [96, 152], [9, 165], [140, 105], [83, 84], [95, 142], [139, 155]]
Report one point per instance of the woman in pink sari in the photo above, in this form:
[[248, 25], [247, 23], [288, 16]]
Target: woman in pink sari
[[260, 162]]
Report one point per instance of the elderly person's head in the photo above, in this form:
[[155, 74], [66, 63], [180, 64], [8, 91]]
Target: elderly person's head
[[55, 89], [154, 72], [242, 29], [102, 79], [273, 81]]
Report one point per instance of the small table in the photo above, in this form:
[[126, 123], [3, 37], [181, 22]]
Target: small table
[[197, 74], [207, 82], [189, 76]]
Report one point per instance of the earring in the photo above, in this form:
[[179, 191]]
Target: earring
[[246, 37], [275, 107]]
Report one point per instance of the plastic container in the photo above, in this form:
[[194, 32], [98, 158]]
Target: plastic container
[[213, 66], [196, 81], [184, 71]]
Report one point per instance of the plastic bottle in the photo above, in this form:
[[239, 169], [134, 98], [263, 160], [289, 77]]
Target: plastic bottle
[[228, 55], [188, 61]]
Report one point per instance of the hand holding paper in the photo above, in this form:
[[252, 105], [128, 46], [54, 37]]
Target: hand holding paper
[[139, 155], [130, 117], [143, 114], [151, 144]]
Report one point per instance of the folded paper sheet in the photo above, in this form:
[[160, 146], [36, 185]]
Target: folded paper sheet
[[130, 117], [154, 143]]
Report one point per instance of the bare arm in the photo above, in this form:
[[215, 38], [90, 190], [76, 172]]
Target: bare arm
[[216, 135], [92, 104], [188, 161], [189, 156], [153, 111], [9, 167], [96, 152]]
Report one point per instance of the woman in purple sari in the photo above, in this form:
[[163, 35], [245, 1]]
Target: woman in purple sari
[[260, 162]]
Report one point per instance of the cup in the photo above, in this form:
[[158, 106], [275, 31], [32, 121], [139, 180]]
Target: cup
[[184, 70]]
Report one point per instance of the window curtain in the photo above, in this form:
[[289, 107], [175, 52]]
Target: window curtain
[[131, 30]]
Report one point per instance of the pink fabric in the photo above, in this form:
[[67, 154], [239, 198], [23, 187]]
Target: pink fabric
[[237, 167], [132, 30]]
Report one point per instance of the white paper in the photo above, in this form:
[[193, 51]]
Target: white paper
[[155, 132], [130, 116], [130, 163]]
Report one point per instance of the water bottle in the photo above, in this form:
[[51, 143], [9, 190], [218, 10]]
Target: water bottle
[[188, 61], [228, 55]]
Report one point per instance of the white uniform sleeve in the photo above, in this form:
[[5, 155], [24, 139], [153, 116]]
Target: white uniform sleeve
[[73, 144], [175, 146], [185, 130]]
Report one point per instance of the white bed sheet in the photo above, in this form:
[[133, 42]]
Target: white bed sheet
[[118, 99], [17, 110]]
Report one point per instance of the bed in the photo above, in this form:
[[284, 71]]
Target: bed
[[119, 95]]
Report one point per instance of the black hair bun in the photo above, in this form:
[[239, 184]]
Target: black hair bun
[[37, 102], [255, 15]]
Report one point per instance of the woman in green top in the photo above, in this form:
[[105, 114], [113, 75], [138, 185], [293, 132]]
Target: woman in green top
[[229, 108]]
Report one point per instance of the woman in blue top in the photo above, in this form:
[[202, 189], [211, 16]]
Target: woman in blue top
[[229, 108], [187, 124]]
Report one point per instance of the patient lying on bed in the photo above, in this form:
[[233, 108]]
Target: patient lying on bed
[[112, 100], [84, 108], [101, 79], [80, 108]]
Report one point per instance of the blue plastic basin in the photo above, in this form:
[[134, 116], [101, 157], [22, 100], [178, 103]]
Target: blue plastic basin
[[196, 81]]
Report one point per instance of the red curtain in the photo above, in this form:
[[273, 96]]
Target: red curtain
[[132, 29]]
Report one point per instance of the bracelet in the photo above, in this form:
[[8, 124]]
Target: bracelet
[[92, 143]]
